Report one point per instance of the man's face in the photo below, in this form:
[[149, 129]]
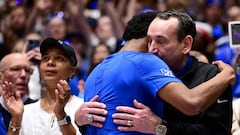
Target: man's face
[[57, 28], [100, 53], [233, 13], [18, 18], [163, 41], [104, 28], [214, 14], [17, 70]]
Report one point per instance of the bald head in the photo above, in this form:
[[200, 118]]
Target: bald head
[[14, 59], [233, 13]]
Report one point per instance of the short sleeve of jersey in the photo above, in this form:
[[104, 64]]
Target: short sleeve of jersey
[[156, 73]]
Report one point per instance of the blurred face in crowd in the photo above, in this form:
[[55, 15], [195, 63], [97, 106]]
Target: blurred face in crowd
[[18, 18], [100, 53], [16, 68], [79, 47], [77, 44], [104, 28], [57, 28], [18, 46], [164, 43], [233, 13], [213, 14], [55, 65]]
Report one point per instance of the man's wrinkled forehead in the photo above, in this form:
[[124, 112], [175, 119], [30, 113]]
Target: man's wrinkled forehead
[[155, 37], [13, 60]]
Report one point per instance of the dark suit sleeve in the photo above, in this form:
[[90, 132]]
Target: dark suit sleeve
[[216, 120]]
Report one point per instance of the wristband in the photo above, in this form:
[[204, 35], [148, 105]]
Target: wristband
[[13, 128], [64, 121]]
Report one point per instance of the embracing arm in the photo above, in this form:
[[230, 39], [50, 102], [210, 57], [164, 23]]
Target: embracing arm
[[212, 121], [145, 121], [195, 100]]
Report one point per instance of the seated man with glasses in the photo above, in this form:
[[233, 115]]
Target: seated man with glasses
[[15, 68]]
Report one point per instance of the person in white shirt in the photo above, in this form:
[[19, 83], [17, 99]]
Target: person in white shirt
[[53, 114]]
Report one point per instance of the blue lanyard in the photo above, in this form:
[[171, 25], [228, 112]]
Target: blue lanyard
[[189, 60]]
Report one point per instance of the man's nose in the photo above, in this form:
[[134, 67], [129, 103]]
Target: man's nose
[[23, 72], [152, 48]]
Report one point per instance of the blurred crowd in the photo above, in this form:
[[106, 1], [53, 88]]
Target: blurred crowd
[[94, 29]]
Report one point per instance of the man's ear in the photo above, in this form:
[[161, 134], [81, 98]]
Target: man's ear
[[187, 41]]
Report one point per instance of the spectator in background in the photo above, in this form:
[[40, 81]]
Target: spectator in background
[[233, 13], [15, 68], [213, 15], [199, 56], [223, 50], [105, 33], [16, 27], [39, 13], [33, 41], [52, 114], [57, 26], [79, 44], [204, 40], [108, 29], [236, 102], [19, 46], [99, 53], [180, 5], [30, 46]]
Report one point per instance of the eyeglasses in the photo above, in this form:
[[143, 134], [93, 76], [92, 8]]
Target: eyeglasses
[[18, 69]]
